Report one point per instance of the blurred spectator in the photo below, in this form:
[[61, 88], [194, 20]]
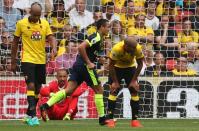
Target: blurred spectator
[[58, 17], [166, 39], [5, 47], [90, 5], [119, 6], [46, 5], [159, 8], [79, 16], [103, 2], [170, 10], [190, 5], [194, 64], [65, 60], [151, 20], [67, 35], [2, 26], [117, 33], [148, 59], [159, 69], [6, 64], [167, 7], [144, 35], [139, 7], [128, 19], [97, 15], [109, 12], [90, 29], [186, 36], [181, 68], [10, 14], [5, 54], [195, 18]]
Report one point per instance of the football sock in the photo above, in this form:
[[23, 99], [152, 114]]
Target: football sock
[[111, 105], [31, 111], [134, 106], [99, 102], [60, 95], [36, 98]]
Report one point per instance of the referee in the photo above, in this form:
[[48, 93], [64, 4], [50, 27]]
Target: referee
[[33, 31]]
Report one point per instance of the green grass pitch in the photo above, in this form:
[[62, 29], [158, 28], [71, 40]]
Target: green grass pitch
[[92, 125]]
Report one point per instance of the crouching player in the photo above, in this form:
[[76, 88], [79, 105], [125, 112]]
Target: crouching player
[[66, 109], [123, 57]]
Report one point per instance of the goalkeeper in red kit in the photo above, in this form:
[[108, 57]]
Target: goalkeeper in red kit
[[66, 109]]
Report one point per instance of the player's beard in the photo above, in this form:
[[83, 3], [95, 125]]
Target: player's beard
[[61, 83]]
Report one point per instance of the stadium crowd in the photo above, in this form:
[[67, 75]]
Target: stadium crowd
[[166, 29]]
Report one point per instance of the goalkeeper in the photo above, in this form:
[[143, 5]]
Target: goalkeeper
[[83, 70], [67, 108], [122, 66]]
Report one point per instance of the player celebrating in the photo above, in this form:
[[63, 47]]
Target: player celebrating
[[83, 70], [34, 32], [122, 66], [67, 109]]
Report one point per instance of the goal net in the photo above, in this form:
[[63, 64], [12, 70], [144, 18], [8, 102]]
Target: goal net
[[167, 31]]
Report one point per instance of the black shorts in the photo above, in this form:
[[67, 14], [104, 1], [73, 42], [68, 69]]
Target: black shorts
[[124, 73], [35, 73], [80, 73]]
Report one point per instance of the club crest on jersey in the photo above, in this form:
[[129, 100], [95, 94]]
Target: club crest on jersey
[[36, 36]]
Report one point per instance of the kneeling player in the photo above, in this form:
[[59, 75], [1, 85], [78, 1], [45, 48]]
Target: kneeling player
[[67, 108]]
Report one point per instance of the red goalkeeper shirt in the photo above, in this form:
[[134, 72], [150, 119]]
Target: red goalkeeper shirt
[[68, 105]]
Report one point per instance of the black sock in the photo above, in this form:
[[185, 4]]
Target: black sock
[[111, 108], [36, 99], [134, 109], [31, 111]]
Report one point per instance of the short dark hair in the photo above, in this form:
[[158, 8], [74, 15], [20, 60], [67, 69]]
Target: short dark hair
[[150, 2], [136, 16], [101, 22], [97, 9], [186, 19], [126, 2], [58, 2], [109, 4], [36, 3], [157, 53]]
